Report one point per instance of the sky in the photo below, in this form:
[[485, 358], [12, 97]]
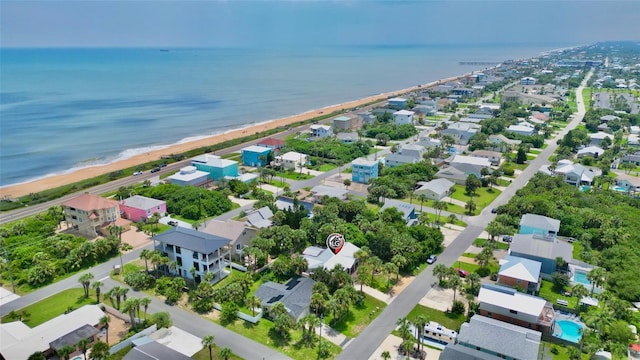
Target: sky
[[103, 23]]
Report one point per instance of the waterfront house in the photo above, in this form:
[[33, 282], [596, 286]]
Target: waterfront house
[[324, 258], [407, 210], [89, 213], [291, 160], [543, 249], [397, 103], [260, 218], [19, 341], [403, 117], [217, 167], [435, 189], [341, 123], [502, 143], [486, 338], [193, 249], [511, 306], [461, 132], [362, 170], [320, 191], [189, 176], [239, 234], [494, 157], [255, 155], [320, 131], [140, 208], [520, 273], [272, 143], [539, 224], [295, 294]]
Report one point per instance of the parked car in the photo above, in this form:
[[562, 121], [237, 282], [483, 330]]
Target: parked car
[[571, 240], [155, 169], [507, 238], [494, 210], [163, 164], [172, 223], [137, 173], [432, 259], [462, 273]]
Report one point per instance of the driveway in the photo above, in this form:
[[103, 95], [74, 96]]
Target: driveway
[[165, 220]]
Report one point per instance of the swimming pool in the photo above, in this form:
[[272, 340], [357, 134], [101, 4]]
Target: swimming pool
[[584, 188], [619, 188], [568, 330], [581, 277]]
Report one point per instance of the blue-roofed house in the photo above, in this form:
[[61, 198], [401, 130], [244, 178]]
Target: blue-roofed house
[[362, 170], [539, 224], [408, 210], [189, 176], [295, 294], [255, 155], [216, 166], [191, 248], [520, 273]]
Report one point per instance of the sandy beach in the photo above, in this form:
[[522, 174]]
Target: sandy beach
[[17, 190]]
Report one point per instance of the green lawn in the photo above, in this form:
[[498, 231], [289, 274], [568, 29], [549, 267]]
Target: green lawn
[[326, 167], [479, 242], [295, 175], [562, 351], [358, 317], [204, 354], [232, 155], [530, 156], [483, 197], [450, 321], [547, 292], [47, 309], [493, 267], [520, 166], [278, 183], [443, 219], [535, 151]]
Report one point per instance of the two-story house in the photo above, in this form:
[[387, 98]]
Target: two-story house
[[89, 213], [140, 208], [217, 167], [291, 160], [576, 174], [341, 123], [397, 103], [362, 170], [239, 234], [543, 249], [320, 131], [195, 253], [255, 155], [461, 132], [403, 117], [539, 224], [520, 273]]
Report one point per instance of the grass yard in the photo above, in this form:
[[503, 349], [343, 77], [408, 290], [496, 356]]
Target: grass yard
[[232, 156], [547, 292], [535, 151], [295, 175], [530, 157], [358, 317], [450, 321], [204, 354], [326, 167], [47, 309], [493, 267], [520, 166], [443, 219], [483, 197], [562, 351], [278, 183], [479, 242]]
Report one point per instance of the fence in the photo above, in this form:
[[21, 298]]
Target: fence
[[243, 316], [124, 343]]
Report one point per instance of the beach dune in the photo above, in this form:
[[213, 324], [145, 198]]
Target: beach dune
[[49, 182]]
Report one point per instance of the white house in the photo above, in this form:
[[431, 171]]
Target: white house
[[435, 189], [599, 137], [577, 174], [291, 160], [323, 258], [461, 132], [592, 151], [470, 164], [403, 117], [320, 131], [522, 129]]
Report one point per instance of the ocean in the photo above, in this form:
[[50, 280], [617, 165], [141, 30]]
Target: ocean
[[67, 108]]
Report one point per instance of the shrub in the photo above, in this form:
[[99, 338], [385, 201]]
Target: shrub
[[229, 312], [458, 307], [138, 280], [555, 351], [509, 170], [483, 272]]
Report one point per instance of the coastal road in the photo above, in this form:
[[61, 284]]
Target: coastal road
[[362, 347]]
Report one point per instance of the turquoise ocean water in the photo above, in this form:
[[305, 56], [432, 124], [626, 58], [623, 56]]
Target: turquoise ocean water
[[61, 109]]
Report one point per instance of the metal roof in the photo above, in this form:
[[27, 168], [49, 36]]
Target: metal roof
[[191, 239]]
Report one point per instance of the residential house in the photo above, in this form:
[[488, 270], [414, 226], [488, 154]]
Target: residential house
[[502, 143], [189, 176], [481, 115], [324, 258], [320, 191], [367, 117], [362, 170], [486, 338], [527, 81], [342, 123], [539, 224], [435, 189], [291, 160], [260, 218], [539, 117], [631, 159], [607, 118], [633, 140], [403, 117], [255, 155], [469, 164], [272, 143], [19, 341], [543, 249], [153, 350], [408, 211], [461, 132], [429, 143], [393, 160], [631, 184], [526, 99], [320, 131], [520, 273], [295, 294], [453, 174], [598, 138], [217, 167], [195, 252], [577, 174], [522, 129], [513, 307], [140, 208], [347, 137], [427, 110], [494, 157], [592, 151], [397, 103], [470, 120], [89, 213], [238, 233], [463, 92]]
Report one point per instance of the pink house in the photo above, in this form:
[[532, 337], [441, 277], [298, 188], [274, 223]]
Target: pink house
[[139, 208]]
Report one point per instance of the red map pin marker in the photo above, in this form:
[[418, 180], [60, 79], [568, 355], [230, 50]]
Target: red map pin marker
[[335, 242]]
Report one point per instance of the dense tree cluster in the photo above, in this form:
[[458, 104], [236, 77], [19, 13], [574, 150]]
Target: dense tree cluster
[[330, 149], [189, 201], [394, 132], [400, 181]]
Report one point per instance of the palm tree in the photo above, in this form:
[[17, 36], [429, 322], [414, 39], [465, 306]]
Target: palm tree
[[385, 355], [96, 286], [85, 280], [484, 257], [454, 283], [440, 206], [474, 282], [83, 345], [208, 342], [403, 328], [420, 322], [130, 306], [597, 277], [104, 323], [99, 351], [65, 351], [579, 291], [440, 271], [144, 302], [225, 353], [422, 198], [253, 302], [146, 255]]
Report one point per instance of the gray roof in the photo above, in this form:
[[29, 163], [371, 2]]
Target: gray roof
[[230, 229], [460, 352], [401, 206], [295, 294], [542, 247], [322, 190], [191, 239], [260, 218], [353, 136], [402, 159], [540, 222], [154, 351], [142, 202], [438, 186], [72, 338], [491, 334]]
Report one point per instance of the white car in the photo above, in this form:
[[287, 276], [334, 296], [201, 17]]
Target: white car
[[137, 173]]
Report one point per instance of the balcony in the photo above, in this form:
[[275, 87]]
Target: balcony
[[548, 315]]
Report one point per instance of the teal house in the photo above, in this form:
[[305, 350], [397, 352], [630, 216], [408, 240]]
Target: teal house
[[539, 225], [255, 155], [217, 167], [363, 170]]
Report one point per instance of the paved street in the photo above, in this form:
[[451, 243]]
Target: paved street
[[363, 346]]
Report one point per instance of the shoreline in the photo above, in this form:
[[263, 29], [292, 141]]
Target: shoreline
[[55, 180]]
